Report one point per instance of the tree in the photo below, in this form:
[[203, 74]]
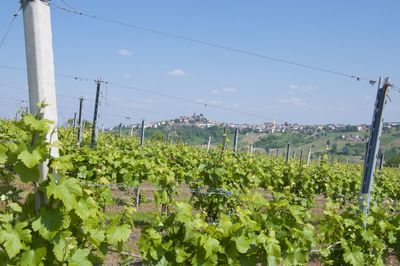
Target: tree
[[334, 148], [346, 150]]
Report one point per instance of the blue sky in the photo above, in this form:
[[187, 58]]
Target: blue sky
[[355, 37]]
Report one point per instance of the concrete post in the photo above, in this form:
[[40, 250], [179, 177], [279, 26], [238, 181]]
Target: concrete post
[[41, 80], [208, 144]]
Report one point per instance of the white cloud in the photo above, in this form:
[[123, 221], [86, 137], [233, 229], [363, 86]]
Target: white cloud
[[294, 101], [303, 88], [327, 108], [127, 76], [124, 52], [177, 73], [229, 89]]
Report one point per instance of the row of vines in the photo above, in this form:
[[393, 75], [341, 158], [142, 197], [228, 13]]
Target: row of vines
[[244, 209]]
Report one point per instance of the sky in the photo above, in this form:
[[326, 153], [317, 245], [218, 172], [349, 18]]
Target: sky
[[359, 37]]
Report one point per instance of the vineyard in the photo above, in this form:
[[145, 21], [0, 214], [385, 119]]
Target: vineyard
[[174, 204]]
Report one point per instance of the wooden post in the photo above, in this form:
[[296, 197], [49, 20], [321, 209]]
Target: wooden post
[[287, 152], [301, 156], [235, 141], [142, 135], [96, 108]]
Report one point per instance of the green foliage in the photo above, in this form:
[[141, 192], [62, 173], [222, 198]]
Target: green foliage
[[243, 210], [269, 232], [360, 240], [70, 228], [280, 140]]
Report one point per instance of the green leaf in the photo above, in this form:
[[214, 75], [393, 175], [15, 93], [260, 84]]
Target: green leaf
[[242, 244], [82, 209], [15, 207], [50, 222], [117, 234], [184, 212], [273, 250], [354, 256], [63, 245], [66, 190], [211, 245], [3, 154], [219, 171], [33, 257], [225, 225], [96, 237], [6, 218], [60, 249], [26, 174], [162, 262], [80, 258], [13, 238], [181, 255], [35, 124], [30, 160]]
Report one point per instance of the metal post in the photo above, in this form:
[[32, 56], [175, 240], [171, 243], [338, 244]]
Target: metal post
[[382, 159], [235, 141], [137, 196], [373, 147], [366, 150], [301, 156], [308, 157], [96, 108], [41, 80], [167, 137], [208, 144], [287, 152], [80, 121], [142, 135]]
